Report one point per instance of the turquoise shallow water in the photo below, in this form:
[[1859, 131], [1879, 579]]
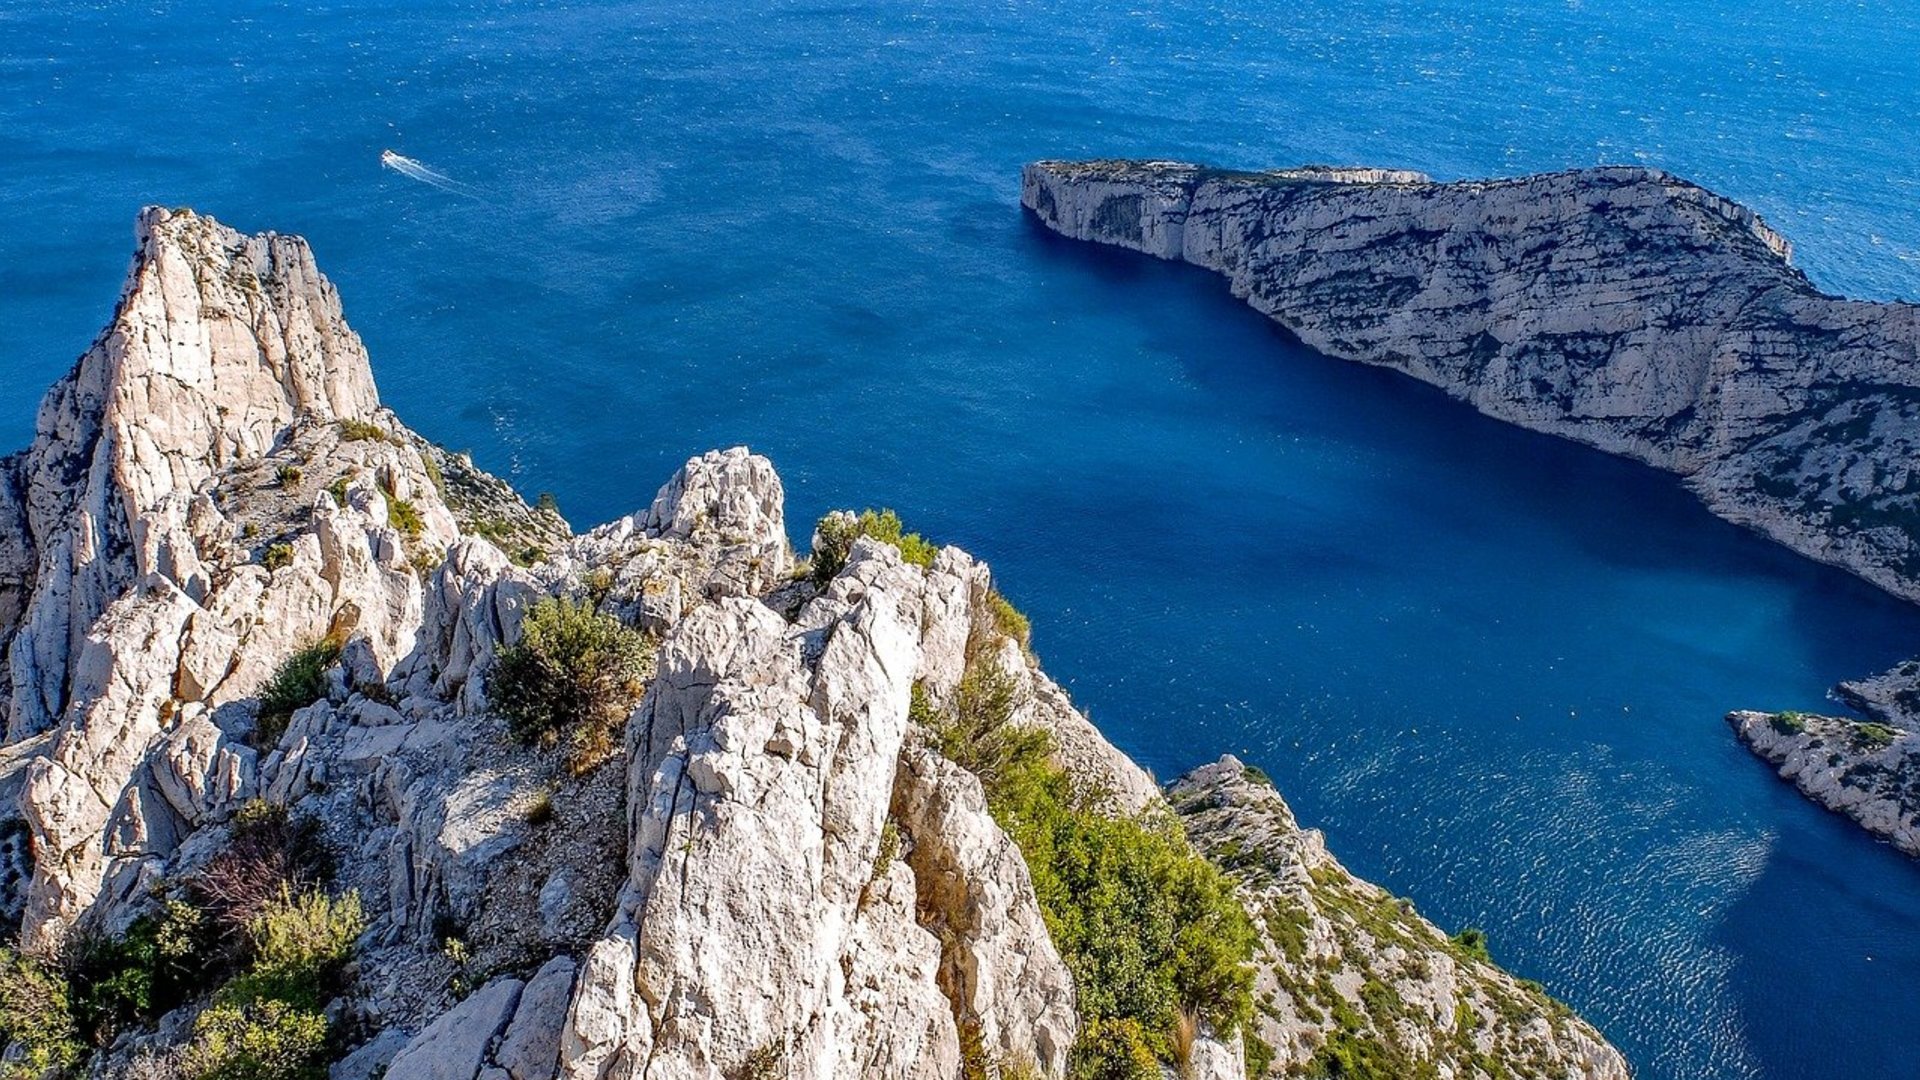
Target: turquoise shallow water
[[1490, 665]]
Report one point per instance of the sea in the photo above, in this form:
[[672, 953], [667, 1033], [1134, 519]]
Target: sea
[[1490, 665]]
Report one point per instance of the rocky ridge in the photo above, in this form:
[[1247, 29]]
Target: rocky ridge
[[774, 874], [1619, 307], [1865, 769], [1622, 308]]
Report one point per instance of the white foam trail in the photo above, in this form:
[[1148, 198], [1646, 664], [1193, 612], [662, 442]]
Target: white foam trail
[[412, 169]]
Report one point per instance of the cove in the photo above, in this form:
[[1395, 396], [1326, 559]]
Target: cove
[[1490, 665]]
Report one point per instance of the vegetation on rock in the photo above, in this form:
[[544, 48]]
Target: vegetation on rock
[[361, 431], [271, 976], [277, 555], [300, 681], [572, 677], [37, 1028], [833, 540], [1152, 932]]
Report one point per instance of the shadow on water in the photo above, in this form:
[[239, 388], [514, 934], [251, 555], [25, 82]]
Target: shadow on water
[[1873, 938], [1614, 511]]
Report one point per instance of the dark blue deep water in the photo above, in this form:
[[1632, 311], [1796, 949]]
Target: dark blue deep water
[[1491, 666]]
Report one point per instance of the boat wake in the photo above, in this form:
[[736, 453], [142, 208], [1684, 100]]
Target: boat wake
[[414, 170]]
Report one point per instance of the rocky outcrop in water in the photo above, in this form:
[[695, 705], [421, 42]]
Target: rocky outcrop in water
[[773, 873], [1865, 769]]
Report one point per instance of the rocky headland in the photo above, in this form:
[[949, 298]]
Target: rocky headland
[[281, 796], [1622, 308]]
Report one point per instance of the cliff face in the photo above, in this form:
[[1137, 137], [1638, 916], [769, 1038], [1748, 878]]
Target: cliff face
[[1351, 973], [775, 870], [1619, 307], [1865, 769]]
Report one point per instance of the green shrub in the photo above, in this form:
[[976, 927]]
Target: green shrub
[[978, 734], [434, 474], [301, 944], [300, 681], [37, 1026], [540, 810], [277, 555], [1871, 736], [161, 962], [1789, 722], [766, 1062], [1150, 929], [1114, 1050], [338, 489], [573, 676], [833, 540], [287, 475], [1147, 926], [258, 1040], [1473, 942], [361, 431], [403, 515], [1009, 620]]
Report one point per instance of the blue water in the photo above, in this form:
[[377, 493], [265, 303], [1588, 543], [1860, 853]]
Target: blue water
[[1491, 666]]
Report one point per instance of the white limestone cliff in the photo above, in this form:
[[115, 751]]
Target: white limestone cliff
[[1622, 308], [775, 870]]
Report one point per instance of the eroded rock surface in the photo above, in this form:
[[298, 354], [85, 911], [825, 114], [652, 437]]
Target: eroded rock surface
[[1866, 769], [774, 874], [1348, 972], [1620, 307]]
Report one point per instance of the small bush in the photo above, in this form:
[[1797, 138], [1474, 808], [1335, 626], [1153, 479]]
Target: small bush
[[1871, 736], [300, 681], [573, 676], [277, 555], [540, 810], [766, 1062], [37, 1025], [287, 475], [888, 851], [361, 431], [1473, 942], [833, 541], [338, 489], [1113, 1050], [979, 735], [403, 515], [301, 945], [434, 475], [161, 962], [1789, 722], [547, 504], [268, 853], [1009, 620], [259, 1040]]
